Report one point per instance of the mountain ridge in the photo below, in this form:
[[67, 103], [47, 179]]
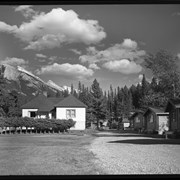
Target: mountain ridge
[[26, 82]]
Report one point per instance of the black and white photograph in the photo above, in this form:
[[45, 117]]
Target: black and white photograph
[[89, 89]]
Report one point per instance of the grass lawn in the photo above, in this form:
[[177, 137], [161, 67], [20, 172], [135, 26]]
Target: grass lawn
[[46, 154]]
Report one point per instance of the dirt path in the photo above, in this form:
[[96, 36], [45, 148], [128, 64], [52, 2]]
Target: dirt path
[[136, 154]]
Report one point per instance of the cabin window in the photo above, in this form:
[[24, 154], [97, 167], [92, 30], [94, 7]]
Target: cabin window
[[151, 118], [70, 113], [137, 120], [32, 114]]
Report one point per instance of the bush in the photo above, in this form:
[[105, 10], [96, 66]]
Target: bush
[[39, 124]]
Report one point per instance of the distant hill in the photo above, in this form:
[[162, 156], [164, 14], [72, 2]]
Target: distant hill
[[26, 83]]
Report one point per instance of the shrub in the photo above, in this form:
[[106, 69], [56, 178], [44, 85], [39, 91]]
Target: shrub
[[39, 124]]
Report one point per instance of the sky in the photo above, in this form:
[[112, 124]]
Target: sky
[[71, 43]]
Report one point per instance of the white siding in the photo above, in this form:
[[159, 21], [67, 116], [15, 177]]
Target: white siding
[[26, 112], [126, 124], [163, 124], [80, 116]]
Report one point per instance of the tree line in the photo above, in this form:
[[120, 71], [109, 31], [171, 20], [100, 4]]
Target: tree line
[[116, 103]]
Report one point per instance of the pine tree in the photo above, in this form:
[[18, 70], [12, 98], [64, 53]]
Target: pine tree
[[144, 86], [137, 97], [120, 108], [79, 87], [98, 103], [127, 102], [154, 84], [65, 93]]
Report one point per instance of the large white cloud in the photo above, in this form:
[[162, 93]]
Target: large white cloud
[[14, 61], [124, 66], [76, 71], [126, 50], [126, 55], [49, 30]]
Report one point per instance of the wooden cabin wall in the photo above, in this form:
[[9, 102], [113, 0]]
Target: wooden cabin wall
[[151, 126], [173, 119], [138, 124]]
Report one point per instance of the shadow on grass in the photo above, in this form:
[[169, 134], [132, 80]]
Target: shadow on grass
[[148, 141]]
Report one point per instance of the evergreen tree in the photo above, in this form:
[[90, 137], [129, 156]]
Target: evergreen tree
[[65, 93], [59, 94], [132, 89], [98, 103], [165, 68], [137, 97], [120, 108], [79, 87], [144, 86], [154, 84], [127, 102]]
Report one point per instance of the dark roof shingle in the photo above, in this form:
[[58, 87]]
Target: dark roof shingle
[[38, 102], [175, 102], [155, 110], [42, 103], [70, 101]]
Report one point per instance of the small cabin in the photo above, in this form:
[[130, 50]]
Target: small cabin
[[156, 120], [57, 108], [173, 108], [137, 120], [125, 124]]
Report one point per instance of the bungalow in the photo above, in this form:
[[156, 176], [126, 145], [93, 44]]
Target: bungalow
[[125, 124], [156, 120], [137, 121], [173, 107], [58, 108]]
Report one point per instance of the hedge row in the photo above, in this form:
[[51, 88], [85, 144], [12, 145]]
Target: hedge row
[[38, 124]]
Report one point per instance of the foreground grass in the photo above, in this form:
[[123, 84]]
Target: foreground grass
[[46, 155]]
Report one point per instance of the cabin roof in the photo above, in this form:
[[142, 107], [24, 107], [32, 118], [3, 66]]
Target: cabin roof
[[38, 102], [155, 110], [70, 101], [42, 103], [172, 103]]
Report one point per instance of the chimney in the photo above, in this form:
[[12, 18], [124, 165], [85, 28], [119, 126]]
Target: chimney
[[45, 93]]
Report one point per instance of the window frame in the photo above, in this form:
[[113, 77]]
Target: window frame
[[71, 115], [34, 113]]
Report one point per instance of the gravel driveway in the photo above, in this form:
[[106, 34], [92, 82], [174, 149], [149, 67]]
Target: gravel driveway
[[127, 153]]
